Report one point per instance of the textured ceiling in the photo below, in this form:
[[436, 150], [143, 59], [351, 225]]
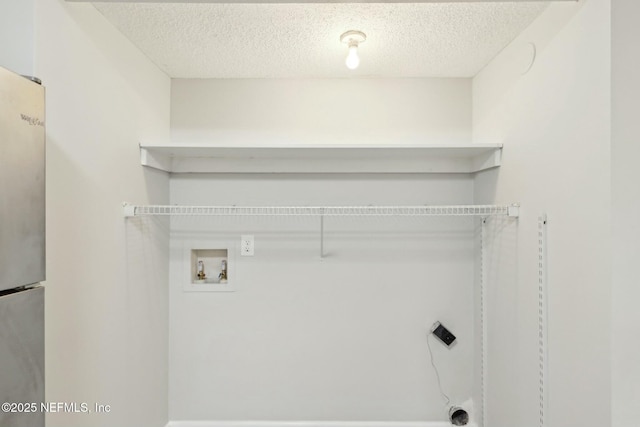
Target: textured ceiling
[[302, 39]]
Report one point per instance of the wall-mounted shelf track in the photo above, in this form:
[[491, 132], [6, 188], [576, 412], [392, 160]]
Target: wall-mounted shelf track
[[322, 211], [432, 158]]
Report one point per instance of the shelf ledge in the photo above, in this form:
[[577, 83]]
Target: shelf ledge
[[322, 211], [441, 158]]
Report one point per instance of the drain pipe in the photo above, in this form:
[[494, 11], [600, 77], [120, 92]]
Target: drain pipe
[[458, 416]]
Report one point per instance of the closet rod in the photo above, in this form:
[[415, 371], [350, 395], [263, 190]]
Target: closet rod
[[322, 211]]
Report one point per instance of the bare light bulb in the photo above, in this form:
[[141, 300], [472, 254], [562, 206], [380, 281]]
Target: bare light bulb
[[353, 60], [352, 39]]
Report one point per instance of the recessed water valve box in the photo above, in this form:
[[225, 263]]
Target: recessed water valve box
[[209, 271]]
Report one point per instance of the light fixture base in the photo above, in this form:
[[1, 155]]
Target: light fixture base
[[353, 37]]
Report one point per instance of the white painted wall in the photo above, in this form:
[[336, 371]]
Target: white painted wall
[[17, 33], [554, 122], [106, 303], [339, 339], [625, 194], [321, 111]]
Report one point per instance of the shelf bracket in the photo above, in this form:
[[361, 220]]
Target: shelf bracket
[[513, 211], [128, 210]]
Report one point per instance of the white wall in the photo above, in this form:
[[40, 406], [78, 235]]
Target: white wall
[[17, 33], [554, 123], [625, 195], [338, 339], [321, 111], [106, 293]]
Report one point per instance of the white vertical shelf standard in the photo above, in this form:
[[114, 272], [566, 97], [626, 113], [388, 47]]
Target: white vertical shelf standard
[[542, 319], [484, 369]]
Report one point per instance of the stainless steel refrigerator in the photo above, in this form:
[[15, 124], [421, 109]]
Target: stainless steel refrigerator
[[22, 250]]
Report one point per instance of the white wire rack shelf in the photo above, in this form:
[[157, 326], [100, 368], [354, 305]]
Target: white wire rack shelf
[[322, 211]]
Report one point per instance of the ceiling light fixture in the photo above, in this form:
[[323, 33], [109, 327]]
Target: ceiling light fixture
[[352, 39]]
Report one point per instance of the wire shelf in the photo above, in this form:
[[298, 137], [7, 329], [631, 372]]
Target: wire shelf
[[322, 211]]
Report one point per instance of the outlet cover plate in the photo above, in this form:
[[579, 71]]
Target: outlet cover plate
[[247, 247]]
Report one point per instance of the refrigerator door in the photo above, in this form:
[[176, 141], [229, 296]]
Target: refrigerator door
[[22, 176], [22, 357]]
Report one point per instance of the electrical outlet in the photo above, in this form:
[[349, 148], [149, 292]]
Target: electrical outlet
[[443, 334], [246, 245]]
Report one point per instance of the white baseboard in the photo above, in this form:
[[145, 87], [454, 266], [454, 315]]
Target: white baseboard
[[311, 424]]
